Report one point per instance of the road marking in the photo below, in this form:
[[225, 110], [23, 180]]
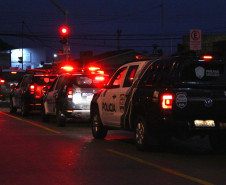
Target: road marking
[[170, 171], [32, 123]]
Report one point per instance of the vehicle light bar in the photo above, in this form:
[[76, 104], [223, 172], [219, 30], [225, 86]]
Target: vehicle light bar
[[207, 57], [67, 68], [100, 78], [93, 68]]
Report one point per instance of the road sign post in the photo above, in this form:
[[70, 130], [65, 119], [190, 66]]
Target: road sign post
[[195, 40]]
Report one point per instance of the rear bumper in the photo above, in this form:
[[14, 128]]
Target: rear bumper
[[80, 114], [173, 126], [34, 104]]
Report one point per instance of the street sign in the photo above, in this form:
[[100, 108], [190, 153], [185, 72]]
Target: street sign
[[195, 40]]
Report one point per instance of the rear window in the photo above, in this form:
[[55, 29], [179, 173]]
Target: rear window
[[11, 77], [44, 80], [88, 81], [203, 72]]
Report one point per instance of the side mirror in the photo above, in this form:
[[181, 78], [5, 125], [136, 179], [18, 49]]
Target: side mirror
[[44, 90]]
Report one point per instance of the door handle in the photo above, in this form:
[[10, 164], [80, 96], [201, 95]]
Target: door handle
[[114, 96]]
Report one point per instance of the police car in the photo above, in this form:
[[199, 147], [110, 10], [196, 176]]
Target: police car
[[27, 95], [178, 96], [71, 93]]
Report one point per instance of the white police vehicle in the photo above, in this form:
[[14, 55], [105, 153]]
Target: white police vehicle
[[70, 95]]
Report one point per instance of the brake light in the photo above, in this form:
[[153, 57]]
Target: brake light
[[69, 93], [167, 101], [2, 81], [13, 72], [32, 89]]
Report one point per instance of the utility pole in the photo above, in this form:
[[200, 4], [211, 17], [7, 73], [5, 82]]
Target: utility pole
[[65, 12], [119, 31], [22, 61], [66, 46], [162, 27]]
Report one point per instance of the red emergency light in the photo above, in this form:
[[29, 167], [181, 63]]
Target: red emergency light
[[93, 68], [67, 68], [207, 57]]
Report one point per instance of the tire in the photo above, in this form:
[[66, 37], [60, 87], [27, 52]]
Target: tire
[[218, 142], [60, 118], [98, 130], [24, 109], [141, 134], [11, 108], [45, 118]]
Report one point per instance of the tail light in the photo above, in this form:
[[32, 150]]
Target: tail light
[[167, 101], [32, 89], [2, 81], [69, 93]]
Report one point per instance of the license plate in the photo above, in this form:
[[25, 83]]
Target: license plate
[[204, 123], [87, 94]]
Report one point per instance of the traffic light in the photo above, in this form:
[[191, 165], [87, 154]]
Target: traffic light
[[64, 31], [20, 59]]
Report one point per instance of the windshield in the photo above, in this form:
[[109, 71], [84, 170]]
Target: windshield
[[44, 80], [86, 81], [11, 77]]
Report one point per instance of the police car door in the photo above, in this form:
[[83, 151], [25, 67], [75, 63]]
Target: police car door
[[48, 103], [20, 89], [52, 95], [110, 99]]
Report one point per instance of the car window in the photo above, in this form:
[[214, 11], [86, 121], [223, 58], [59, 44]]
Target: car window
[[203, 72], [86, 81], [26, 81], [116, 80], [44, 80], [11, 77], [59, 82], [130, 76], [53, 84], [157, 73]]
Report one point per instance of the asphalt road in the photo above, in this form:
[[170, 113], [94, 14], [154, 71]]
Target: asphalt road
[[32, 152]]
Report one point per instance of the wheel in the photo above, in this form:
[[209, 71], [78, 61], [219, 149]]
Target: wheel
[[141, 133], [60, 118], [24, 109], [217, 141], [11, 108], [45, 118], [98, 130]]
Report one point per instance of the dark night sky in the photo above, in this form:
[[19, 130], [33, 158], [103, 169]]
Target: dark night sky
[[94, 23]]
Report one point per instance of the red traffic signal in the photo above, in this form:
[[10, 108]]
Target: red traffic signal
[[64, 31]]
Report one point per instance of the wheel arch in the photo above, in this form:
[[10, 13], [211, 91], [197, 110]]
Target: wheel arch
[[136, 111]]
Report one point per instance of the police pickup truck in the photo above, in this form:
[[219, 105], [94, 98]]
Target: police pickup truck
[[176, 96]]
